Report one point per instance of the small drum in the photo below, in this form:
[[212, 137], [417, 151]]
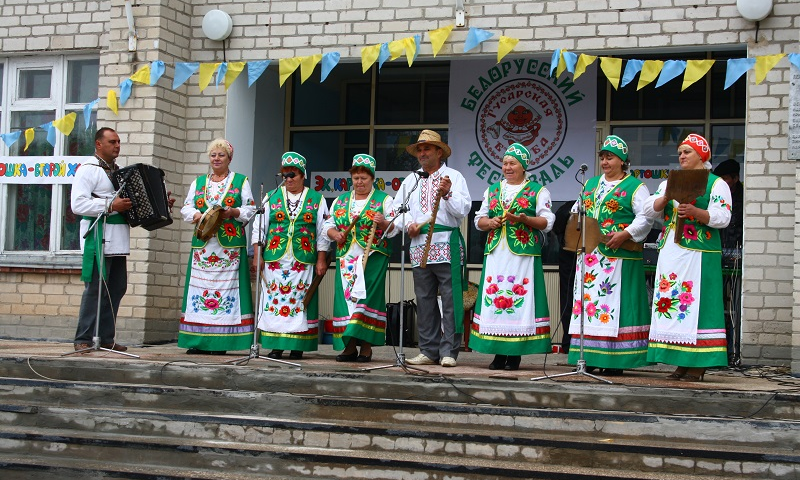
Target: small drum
[[572, 234], [209, 223]]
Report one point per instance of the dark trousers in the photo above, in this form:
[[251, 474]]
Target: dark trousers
[[566, 283], [437, 332], [112, 291]]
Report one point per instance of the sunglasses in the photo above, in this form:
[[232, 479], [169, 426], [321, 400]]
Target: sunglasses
[[289, 175]]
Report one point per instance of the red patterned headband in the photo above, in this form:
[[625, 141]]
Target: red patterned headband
[[699, 145]]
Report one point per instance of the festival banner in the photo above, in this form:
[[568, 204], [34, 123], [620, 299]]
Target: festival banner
[[43, 170], [333, 184], [493, 105], [652, 176]]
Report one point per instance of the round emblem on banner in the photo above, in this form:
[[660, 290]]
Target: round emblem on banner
[[522, 111]]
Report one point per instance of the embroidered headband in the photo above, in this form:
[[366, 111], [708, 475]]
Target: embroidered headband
[[519, 152], [294, 159]]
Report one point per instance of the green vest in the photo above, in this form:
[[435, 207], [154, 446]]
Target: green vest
[[231, 231], [614, 212], [302, 230], [695, 236], [360, 231], [521, 239]]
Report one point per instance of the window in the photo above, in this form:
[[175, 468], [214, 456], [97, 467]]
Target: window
[[38, 227]]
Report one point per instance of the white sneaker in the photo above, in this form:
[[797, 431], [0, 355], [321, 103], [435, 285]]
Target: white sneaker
[[420, 359], [449, 362]]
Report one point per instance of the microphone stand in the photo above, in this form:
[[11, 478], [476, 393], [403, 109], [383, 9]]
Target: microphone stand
[[400, 360], [255, 348], [99, 244], [581, 367]]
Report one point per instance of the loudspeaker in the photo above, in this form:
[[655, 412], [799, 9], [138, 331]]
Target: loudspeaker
[[393, 323]]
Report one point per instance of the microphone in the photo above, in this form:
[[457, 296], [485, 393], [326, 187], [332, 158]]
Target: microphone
[[422, 173], [584, 167]]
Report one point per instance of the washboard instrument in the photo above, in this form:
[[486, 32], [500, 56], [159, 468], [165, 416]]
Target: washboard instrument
[[144, 186]]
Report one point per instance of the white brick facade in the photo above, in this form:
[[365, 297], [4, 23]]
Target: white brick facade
[[170, 128]]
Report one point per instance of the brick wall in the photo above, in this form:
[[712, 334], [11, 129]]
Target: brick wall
[[170, 128]]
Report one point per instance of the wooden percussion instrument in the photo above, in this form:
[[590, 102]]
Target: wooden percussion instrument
[[594, 237], [331, 254], [209, 223], [368, 247], [685, 186]]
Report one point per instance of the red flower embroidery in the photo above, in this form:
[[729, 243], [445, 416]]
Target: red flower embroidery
[[308, 217], [284, 311], [305, 244], [522, 236], [523, 202], [199, 202], [274, 243], [664, 304], [280, 216], [503, 302], [229, 201]]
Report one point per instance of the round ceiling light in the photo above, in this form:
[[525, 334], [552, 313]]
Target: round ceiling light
[[217, 25], [754, 10]]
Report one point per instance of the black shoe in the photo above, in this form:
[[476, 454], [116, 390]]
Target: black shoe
[[276, 354], [197, 351], [513, 362], [364, 358], [498, 363], [612, 372], [296, 355], [348, 357]]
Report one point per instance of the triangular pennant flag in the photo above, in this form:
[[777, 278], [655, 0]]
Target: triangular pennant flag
[[142, 75], [221, 72], [417, 44], [632, 67], [307, 66], [183, 70], [383, 55], [562, 64], [611, 67], [66, 123], [475, 37], [410, 45], [670, 70], [570, 59], [650, 71], [286, 67], [396, 49], [255, 69], [329, 62], [234, 69], [794, 59], [125, 91], [206, 72], [112, 102], [438, 37], [764, 64], [368, 56], [583, 62], [51, 132], [555, 60], [504, 46], [735, 68], [29, 133], [87, 112], [156, 71], [10, 138], [695, 70]]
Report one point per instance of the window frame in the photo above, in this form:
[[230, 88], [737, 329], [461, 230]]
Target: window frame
[[54, 257]]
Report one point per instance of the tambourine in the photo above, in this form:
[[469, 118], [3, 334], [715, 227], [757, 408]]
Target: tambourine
[[209, 223]]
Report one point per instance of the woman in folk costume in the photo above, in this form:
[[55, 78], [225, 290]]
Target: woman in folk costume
[[688, 325], [295, 248], [359, 309], [615, 312], [511, 318], [217, 305]]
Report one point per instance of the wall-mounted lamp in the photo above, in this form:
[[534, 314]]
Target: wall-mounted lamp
[[217, 25], [754, 10], [460, 13], [131, 28]]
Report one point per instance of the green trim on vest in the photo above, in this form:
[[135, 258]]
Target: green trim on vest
[[525, 202], [614, 212], [360, 232], [695, 236], [302, 229], [231, 231]]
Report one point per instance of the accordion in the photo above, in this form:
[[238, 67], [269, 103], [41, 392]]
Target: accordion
[[144, 186]]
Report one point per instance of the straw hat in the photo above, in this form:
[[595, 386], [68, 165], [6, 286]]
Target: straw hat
[[432, 138]]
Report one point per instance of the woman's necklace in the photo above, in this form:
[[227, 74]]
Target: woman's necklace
[[219, 178], [293, 203]]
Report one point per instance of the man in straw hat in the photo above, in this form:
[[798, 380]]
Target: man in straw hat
[[439, 332]]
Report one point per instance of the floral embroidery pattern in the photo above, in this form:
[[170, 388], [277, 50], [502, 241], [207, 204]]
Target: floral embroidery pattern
[[721, 201], [349, 275], [215, 261], [671, 298], [504, 299], [596, 309], [285, 299], [212, 302]]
